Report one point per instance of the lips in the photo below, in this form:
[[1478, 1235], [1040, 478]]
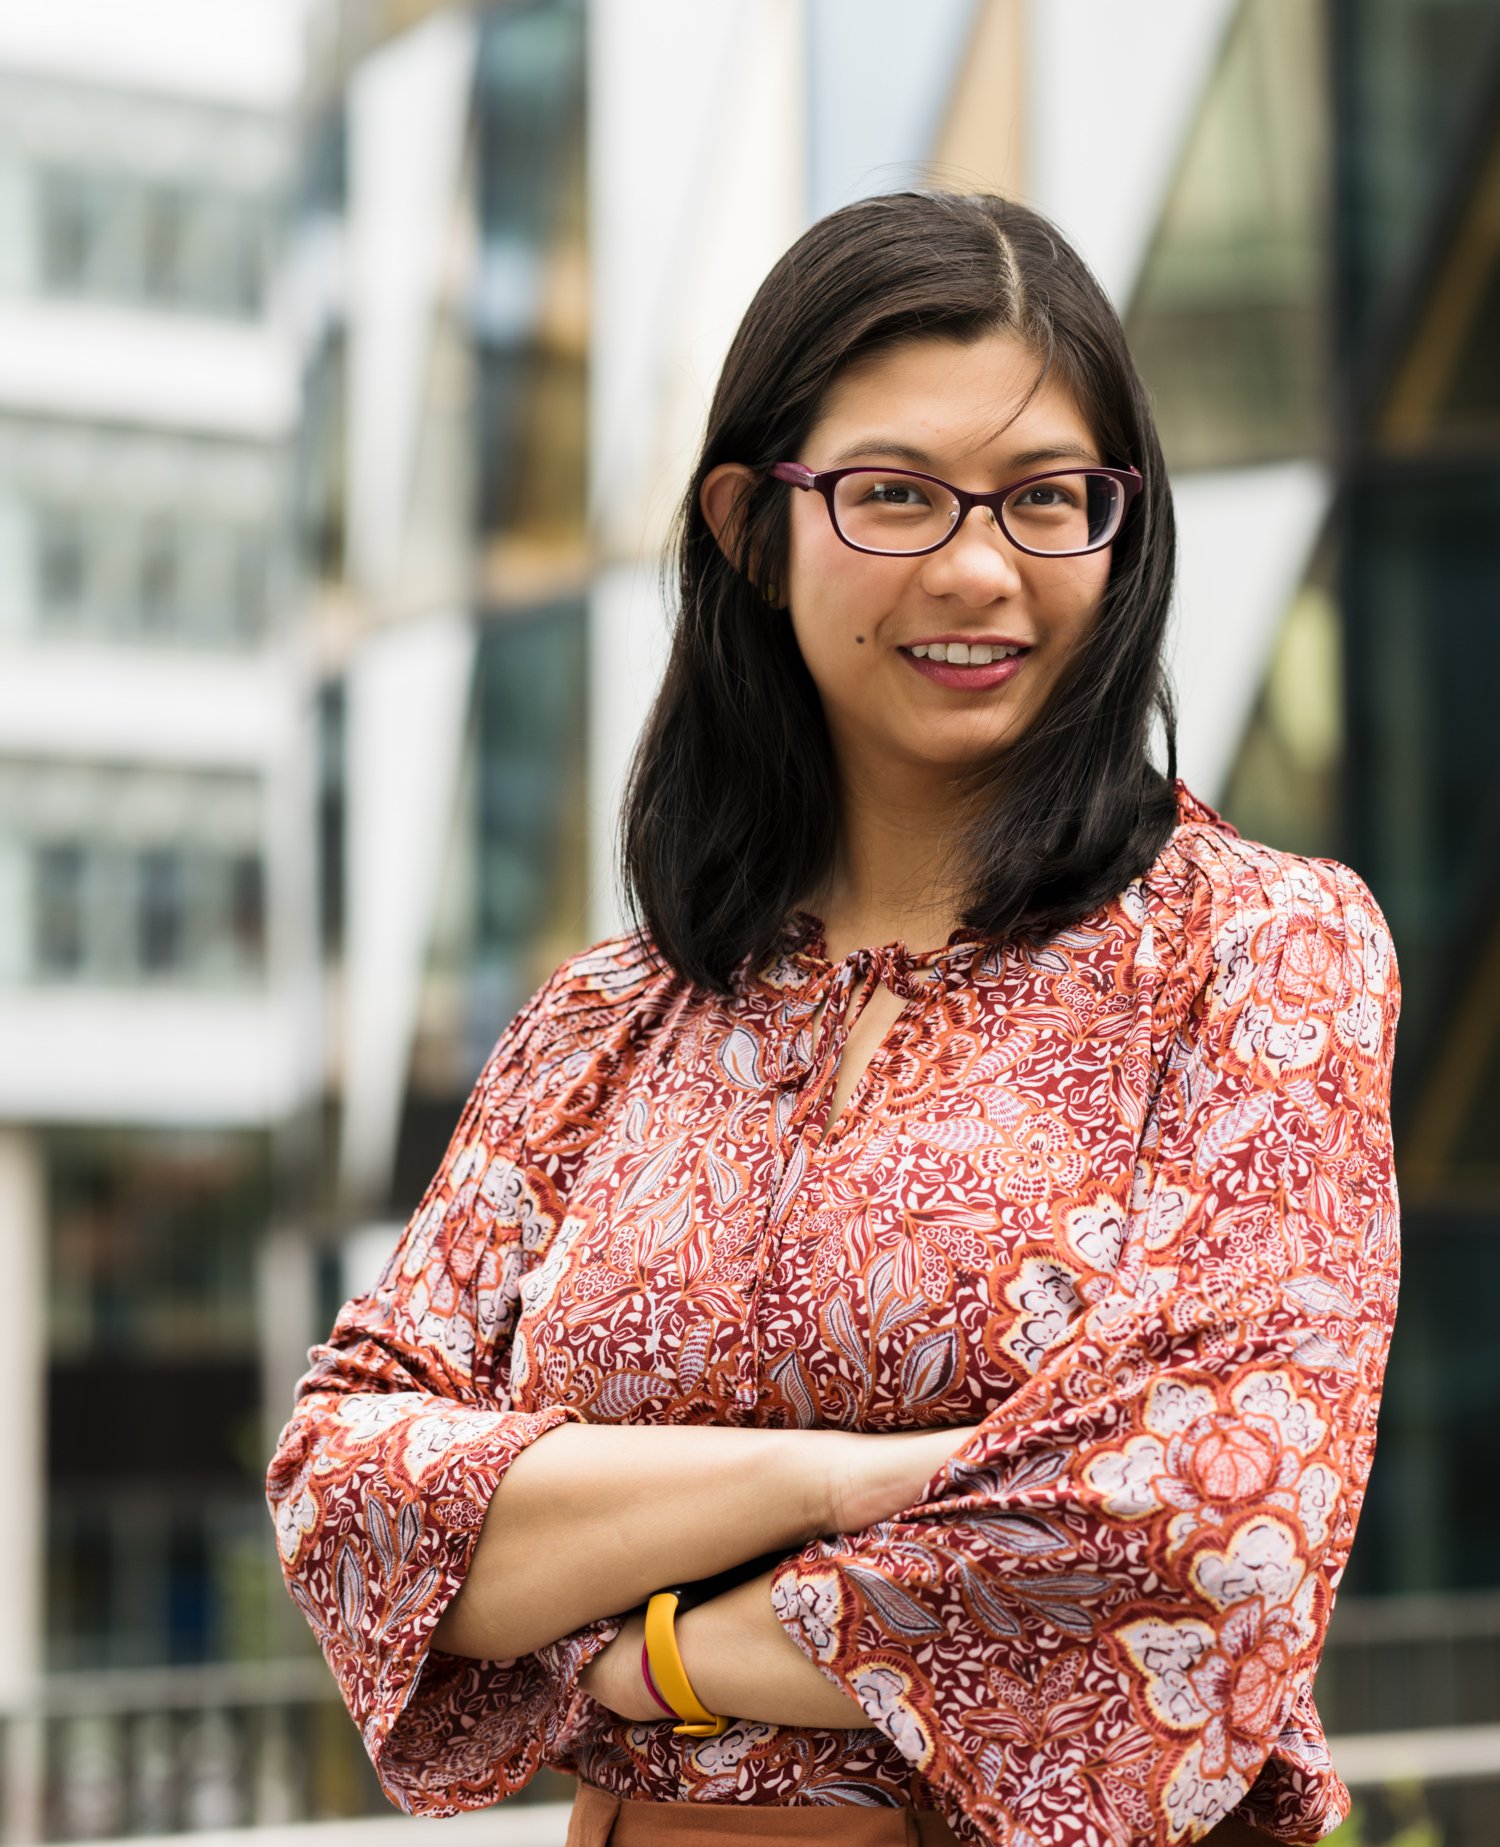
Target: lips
[[967, 675]]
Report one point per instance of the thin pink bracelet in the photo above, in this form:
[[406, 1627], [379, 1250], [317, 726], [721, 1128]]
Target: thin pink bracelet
[[651, 1684]]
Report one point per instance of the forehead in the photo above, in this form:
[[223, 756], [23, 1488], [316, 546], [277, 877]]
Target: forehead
[[951, 394]]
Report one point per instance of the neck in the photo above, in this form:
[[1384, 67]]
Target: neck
[[893, 878]]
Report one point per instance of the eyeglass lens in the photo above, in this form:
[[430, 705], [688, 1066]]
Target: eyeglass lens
[[896, 513]]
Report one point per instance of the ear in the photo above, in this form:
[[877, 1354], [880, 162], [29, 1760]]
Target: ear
[[722, 498]]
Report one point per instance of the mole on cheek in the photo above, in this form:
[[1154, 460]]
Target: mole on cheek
[[859, 638]]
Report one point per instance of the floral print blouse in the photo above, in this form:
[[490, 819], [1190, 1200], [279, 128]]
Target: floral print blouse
[[1125, 1201]]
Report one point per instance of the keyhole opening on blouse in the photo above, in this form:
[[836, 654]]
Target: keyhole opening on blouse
[[869, 1032]]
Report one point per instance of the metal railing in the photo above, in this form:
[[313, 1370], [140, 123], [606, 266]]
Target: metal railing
[[1398, 1663], [185, 1751], [179, 1750]]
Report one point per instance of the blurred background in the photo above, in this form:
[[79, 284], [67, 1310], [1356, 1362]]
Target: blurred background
[[352, 358]]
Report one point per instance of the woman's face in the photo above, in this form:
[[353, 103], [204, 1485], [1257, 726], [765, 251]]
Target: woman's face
[[952, 410]]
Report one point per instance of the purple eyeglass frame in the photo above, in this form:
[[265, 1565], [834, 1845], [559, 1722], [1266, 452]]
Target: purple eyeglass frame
[[825, 480]]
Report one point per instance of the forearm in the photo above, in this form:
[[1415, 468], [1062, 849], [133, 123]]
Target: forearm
[[738, 1660], [741, 1662], [590, 1519]]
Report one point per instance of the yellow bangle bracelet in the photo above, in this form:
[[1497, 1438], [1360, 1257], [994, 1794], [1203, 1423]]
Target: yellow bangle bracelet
[[669, 1673]]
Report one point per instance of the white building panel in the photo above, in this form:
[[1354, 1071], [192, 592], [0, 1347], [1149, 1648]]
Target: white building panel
[[408, 695], [246, 52], [875, 112], [179, 372], [1113, 93], [1245, 539], [102, 704], [697, 183], [408, 120], [147, 1057]]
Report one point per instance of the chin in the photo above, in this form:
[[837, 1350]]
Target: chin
[[969, 764], [977, 753]]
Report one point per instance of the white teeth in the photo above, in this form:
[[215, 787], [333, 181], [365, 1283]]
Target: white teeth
[[962, 653]]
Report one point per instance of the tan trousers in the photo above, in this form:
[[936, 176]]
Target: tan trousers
[[600, 1820], [597, 1819]]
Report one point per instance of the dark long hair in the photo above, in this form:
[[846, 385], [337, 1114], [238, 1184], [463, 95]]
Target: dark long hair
[[731, 807]]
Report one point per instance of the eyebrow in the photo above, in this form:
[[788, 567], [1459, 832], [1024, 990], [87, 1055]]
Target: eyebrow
[[919, 458]]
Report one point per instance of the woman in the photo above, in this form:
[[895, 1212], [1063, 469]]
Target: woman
[[954, 1234]]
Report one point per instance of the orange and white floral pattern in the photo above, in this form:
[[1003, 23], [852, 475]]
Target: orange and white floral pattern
[[1124, 1201]]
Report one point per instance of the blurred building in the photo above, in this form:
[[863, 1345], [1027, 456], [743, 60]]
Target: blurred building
[[155, 929], [352, 358]]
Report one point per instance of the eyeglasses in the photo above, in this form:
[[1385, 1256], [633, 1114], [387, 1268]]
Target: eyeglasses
[[897, 512]]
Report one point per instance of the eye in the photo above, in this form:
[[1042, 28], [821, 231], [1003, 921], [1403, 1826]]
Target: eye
[[889, 491], [1047, 494]]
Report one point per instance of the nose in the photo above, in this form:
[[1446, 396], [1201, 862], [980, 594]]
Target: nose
[[978, 564]]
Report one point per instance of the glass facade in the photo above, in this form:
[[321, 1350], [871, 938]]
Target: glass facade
[[1229, 319], [1286, 782], [1419, 266], [512, 897], [320, 193], [1415, 82], [1365, 335], [528, 305], [512, 902], [155, 1547]]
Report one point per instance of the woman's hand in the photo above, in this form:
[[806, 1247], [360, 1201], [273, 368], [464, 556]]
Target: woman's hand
[[614, 1677], [866, 1478]]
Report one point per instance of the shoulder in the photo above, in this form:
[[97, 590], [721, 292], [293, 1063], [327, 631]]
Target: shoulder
[[615, 973], [619, 986], [565, 1052], [1238, 912]]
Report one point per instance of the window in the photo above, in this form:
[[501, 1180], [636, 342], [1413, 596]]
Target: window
[[155, 1511], [61, 565], [129, 874], [162, 227], [60, 908], [247, 907], [184, 575], [162, 904], [141, 241], [71, 210], [332, 786], [250, 598], [158, 577]]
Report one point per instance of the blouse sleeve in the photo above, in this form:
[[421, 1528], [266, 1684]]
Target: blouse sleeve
[[1108, 1606], [402, 1429]]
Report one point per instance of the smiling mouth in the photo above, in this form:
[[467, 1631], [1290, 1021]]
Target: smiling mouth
[[970, 676], [962, 653]]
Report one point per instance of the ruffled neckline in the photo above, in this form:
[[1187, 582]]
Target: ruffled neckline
[[804, 935]]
